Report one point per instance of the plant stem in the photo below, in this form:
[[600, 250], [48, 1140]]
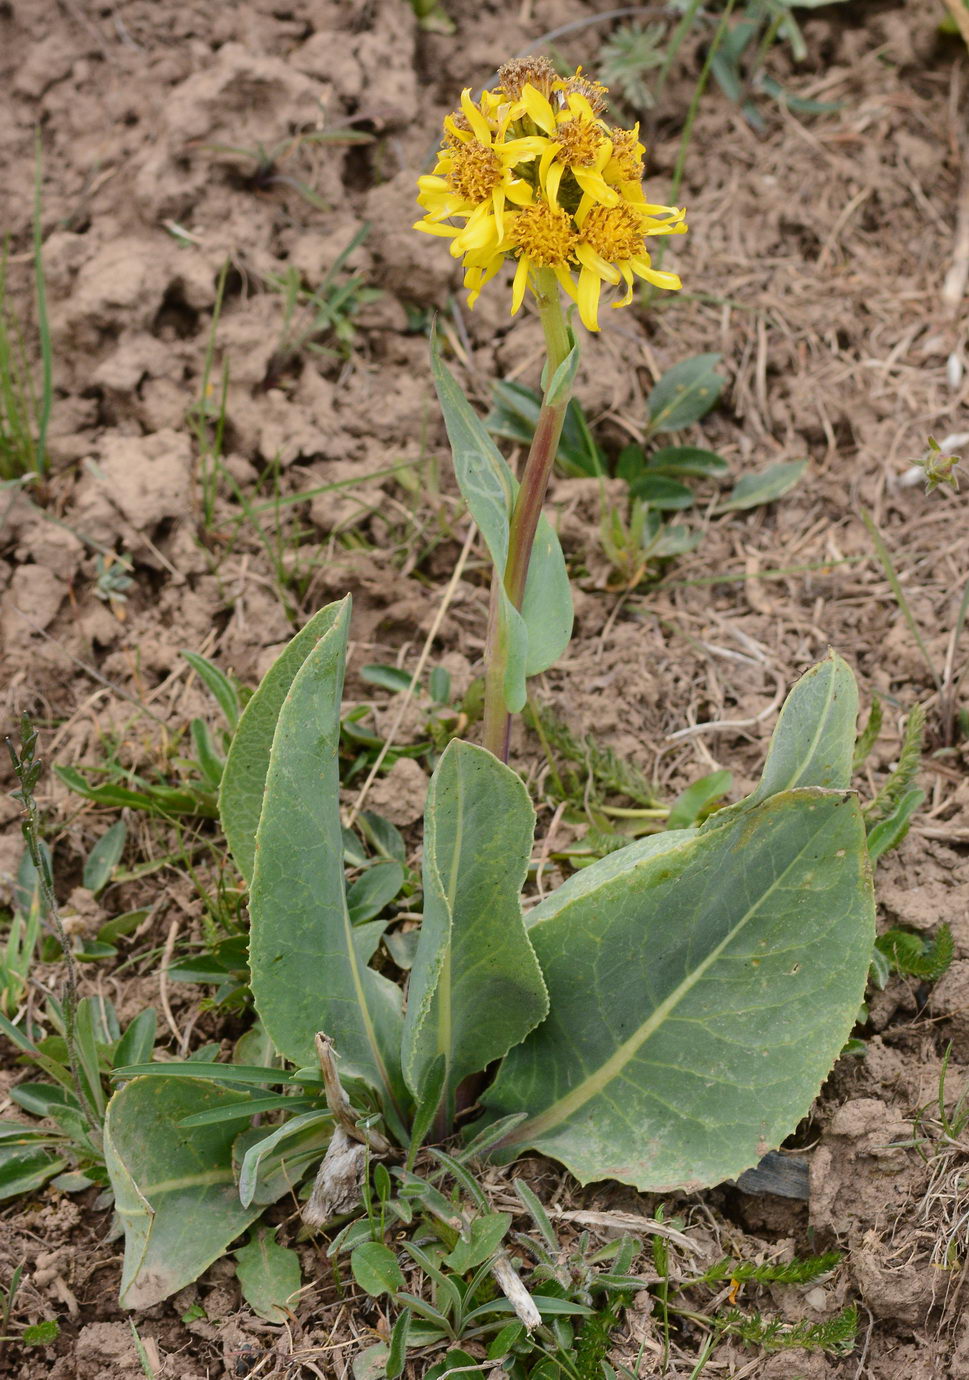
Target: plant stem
[[526, 512]]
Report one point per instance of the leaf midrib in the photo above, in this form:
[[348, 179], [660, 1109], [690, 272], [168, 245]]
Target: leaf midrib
[[561, 1110]]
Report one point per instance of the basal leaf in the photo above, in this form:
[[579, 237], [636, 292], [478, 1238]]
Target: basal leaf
[[476, 988], [685, 393], [813, 743], [689, 460], [752, 490], [308, 963], [104, 857], [661, 492], [244, 775], [537, 636], [698, 998], [174, 1191], [268, 1274], [376, 1270]]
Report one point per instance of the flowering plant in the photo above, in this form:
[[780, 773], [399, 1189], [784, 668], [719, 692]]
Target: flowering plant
[[667, 1014]]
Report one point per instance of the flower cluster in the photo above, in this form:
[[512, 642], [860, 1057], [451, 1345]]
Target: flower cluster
[[532, 172]]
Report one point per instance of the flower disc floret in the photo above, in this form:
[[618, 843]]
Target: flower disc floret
[[530, 71], [475, 172], [545, 234], [626, 161]]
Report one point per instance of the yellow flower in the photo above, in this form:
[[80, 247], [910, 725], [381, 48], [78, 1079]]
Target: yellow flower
[[531, 172], [576, 141], [475, 176], [612, 247]]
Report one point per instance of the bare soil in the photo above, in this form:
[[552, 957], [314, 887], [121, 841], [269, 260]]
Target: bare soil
[[815, 264]]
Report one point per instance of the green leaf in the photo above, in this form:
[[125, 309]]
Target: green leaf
[[259, 1142], [559, 388], [666, 495], [764, 487], [483, 1240], [814, 741], [138, 1041], [42, 1099], [697, 797], [397, 1353], [888, 833], [371, 1363], [439, 685], [684, 394], [309, 964], [269, 1275], [392, 678], [476, 988], [209, 759], [538, 635], [427, 1099], [174, 1192], [251, 1107], [41, 1334], [376, 1270], [374, 890], [271, 1162], [244, 776], [158, 800], [121, 925], [514, 417], [104, 857], [23, 1169], [86, 1047], [385, 838], [216, 1073], [698, 997], [218, 684], [688, 460]]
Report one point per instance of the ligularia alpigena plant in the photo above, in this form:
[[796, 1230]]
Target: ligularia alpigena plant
[[663, 1018]]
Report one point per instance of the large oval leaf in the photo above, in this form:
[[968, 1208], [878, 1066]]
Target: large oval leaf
[[244, 776], [476, 987], [174, 1190], [309, 964], [698, 999]]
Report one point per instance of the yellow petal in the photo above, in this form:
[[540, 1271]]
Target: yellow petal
[[665, 229], [519, 191], [498, 201], [640, 266], [463, 135], [519, 285], [588, 299], [626, 272], [603, 154], [521, 150], [583, 209], [662, 280], [579, 105], [538, 108], [475, 235], [593, 183], [552, 179], [445, 231], [594, 263], [479, 125], [565, 278]]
